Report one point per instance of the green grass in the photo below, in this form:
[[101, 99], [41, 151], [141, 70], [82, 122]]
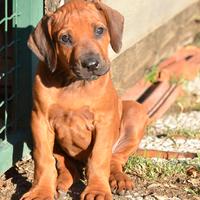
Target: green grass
[[196, 41], [152, 74], [193, 190], [188, 102], [174, 80], [151, 169], [188, 133], [175, 133]]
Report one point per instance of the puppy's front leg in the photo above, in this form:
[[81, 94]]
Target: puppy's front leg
[[98, 167], [45, 175]]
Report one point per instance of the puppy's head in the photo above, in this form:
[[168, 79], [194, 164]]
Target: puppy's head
[[77, 37]]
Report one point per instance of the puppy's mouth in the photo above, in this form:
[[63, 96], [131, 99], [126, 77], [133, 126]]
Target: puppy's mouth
[[89, 75]]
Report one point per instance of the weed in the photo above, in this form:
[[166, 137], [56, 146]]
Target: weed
[[196, 41], [186, 133], [192, 190], [152, 169], [152, 74], [174, 80]]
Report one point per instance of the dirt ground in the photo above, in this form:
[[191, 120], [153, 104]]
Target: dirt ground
[[18, 180]]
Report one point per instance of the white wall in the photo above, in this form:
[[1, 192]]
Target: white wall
[[144, 16]]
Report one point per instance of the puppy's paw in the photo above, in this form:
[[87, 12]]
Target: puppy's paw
[[96, 193], [120, 183], [39, 193]]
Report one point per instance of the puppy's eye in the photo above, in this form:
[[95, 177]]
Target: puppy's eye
[[66, 39], [99, 31]]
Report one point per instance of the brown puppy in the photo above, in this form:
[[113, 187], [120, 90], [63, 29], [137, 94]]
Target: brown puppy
[[77, 115]]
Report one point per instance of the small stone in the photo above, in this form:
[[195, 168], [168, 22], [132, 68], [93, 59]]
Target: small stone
[[154, 185], [139, 198], [135, 194], [149, 198]]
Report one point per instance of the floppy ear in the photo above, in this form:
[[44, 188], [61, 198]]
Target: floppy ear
[[40, 42], [115, 23]]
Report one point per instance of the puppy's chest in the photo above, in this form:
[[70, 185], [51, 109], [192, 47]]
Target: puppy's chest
[[73, 128]]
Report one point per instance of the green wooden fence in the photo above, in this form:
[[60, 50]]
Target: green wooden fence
[[17, 65]]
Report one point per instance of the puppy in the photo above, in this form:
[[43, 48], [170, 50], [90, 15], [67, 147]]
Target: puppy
[[77, 116]]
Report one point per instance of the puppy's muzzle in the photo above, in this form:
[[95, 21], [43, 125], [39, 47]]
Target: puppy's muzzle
[[90, 67]]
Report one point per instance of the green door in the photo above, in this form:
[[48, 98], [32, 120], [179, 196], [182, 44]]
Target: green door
[[17, 66]]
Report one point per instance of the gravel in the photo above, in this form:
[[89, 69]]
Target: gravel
[[182, 122], [193, 86], [167, 144], [189, 121]]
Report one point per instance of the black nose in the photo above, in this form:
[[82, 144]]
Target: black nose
[[90, 63]]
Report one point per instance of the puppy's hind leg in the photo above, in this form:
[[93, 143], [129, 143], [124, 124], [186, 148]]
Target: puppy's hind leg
[[133, 122]]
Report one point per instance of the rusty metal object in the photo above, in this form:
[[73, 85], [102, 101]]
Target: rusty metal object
[[149, 153], [158, 96]]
